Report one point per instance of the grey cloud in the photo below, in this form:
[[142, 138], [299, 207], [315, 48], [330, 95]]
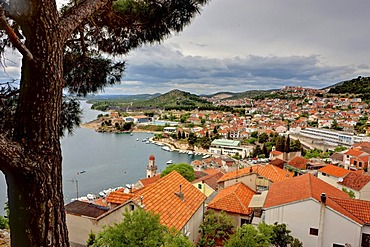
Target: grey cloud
[[164, 68]]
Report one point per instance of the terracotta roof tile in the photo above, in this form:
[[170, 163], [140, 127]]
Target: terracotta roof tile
[[354, 152], [300, 188], [299, 162], [148, 181], [210, 180], [161, 198], [233, 199], [358, 210], [270, 172], [355, 181], [335, 171], [118, 197]]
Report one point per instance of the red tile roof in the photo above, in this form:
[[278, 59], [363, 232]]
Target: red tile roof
[[210, 180], [300, 188], [151, 180], [233, 199], [299, 162], [354, 152], [355, 180], [161, 198], [358, 210], [335, 171], [118, 197], [270, 172]]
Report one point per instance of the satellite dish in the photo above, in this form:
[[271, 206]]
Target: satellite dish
[[340, 180]]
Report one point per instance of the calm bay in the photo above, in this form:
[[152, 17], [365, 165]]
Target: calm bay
[[110, 160]]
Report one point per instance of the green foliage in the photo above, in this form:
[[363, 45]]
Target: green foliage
[[184, 169], [351, 193], [139, 228], [262, 138], [262, 236], [216, 227], [316, 153], [91, 239], [339, 149], [173, 239], [281, 236], [248, 235], [4, 223], [254, 134], [359, 85]]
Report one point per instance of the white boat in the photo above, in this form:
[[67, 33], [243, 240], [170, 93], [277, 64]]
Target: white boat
[[137, 139], [169, 162], [166, 148], [131, 134], [91, 196], [206, 156], [190, 152], [147, 142]]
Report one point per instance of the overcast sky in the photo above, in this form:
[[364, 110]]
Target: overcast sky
[[240, 45]]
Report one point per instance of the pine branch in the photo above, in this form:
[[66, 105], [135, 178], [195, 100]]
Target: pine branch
[[13, 36], [77, 14], [10, 154]]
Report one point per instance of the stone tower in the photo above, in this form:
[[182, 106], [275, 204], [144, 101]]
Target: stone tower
[[151, 169]]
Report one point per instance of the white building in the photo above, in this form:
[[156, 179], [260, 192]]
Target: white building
[[317, 213], [229, 147]]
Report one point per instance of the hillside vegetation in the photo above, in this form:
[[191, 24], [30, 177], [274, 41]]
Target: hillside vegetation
[[359, 86]]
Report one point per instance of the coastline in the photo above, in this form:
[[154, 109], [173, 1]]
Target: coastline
[[174, 146]]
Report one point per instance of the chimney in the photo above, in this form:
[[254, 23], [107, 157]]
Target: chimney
[[323, 198], [180, 194]]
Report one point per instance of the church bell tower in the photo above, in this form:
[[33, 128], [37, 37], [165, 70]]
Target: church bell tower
[[151, 169]]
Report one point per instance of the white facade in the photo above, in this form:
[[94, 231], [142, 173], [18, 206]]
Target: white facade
[[331, 136], [303, 219]]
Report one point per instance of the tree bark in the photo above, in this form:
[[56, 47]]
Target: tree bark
[[37, 215]]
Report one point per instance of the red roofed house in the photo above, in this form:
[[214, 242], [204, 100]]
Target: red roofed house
[[258, 177], [177, 201], [332, 174], [84, 217], [356, 158], [358, 183], [297, 164], [317, 213], [234, 200], [208, 184]]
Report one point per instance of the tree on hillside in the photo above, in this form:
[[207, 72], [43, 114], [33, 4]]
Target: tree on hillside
[[184, 169], [287, 145], [138, 228], [63, 49]]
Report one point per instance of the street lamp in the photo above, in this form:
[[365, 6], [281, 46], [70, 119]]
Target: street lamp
[[75, 180]]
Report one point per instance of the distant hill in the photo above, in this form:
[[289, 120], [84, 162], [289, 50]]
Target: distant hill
[[177, 98], [123, 97], [359, 86], [247, 94]]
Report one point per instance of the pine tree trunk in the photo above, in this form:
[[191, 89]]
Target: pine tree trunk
[[37, 216]]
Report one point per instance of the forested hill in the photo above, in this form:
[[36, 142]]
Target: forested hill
[[359, 86], [176, 98]]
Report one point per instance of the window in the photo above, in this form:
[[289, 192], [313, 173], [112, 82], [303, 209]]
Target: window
[[314, 231], [359, 164], [132, 207], [338, 245], [244, 221], [199, 186], [324, 174], [365, 239]]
